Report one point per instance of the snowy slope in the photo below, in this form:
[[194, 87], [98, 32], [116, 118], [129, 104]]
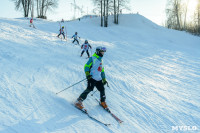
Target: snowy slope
[[153, 75]]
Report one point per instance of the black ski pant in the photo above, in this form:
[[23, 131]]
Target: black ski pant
[[86, 52], [91, 84], [62, 34], [75, 40]]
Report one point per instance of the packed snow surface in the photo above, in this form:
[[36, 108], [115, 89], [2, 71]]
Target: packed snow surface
[[153, 74]]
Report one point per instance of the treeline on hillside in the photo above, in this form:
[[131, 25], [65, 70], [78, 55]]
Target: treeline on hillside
[[42, 6], [106, 7], [102, 7], [176, 12]]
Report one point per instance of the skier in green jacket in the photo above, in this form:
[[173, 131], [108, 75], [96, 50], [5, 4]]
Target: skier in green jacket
[[95, 75]]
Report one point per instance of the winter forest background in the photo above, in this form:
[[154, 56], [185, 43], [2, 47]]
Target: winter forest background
[[176, 11]]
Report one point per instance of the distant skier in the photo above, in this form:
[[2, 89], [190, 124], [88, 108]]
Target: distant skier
[[86, 47], [31, 23], [95, 75], [75, 36], [62, 32]]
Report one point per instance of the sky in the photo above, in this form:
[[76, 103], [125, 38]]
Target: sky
[[151, 9]]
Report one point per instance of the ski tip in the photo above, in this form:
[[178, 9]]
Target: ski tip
[[120, 122], [107, 125], [84, 110]]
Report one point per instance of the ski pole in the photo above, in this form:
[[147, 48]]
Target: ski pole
[[93, 93], [70, 86]]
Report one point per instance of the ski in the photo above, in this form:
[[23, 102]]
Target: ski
[[108, 110], [92, 118]]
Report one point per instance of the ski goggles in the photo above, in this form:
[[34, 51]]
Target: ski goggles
[[103, 49]]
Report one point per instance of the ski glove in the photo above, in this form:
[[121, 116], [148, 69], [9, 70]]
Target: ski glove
[[104, 82], [88, 76]]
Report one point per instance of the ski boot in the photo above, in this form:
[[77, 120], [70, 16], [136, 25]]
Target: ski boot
[[79, 104], [104, 105]]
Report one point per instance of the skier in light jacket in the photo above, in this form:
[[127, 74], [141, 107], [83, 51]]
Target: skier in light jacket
[[95, 75], [75, 36]]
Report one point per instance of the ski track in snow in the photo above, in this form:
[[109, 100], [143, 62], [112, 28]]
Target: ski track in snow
[[154, 83]]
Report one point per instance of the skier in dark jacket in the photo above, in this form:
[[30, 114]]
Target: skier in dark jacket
[[62, 32], [95, 75], [85, 47]]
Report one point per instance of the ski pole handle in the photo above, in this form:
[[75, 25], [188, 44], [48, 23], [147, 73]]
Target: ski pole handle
[[108, 85]]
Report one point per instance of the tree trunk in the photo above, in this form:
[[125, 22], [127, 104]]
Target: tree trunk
[[115, 21], [198, 12], [28, 7], [23, 8], [37, 8], [177, 14], [117, 13], [32, 13], [185, 15], [104, 14], [42, 8], [107, 14], [101, 13]]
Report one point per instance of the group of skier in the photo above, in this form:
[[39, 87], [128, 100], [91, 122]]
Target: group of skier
[[94, 70], [85, 46]]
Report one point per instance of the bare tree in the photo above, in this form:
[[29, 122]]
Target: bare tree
[[32, 8], [99, 7], [121, 4], [195, 26], [44, 5], [118, 5], [114, 6], [198, 16], [185, 9], [174, 13], [103, 6], [107, 7], [101, 13], [24, 5]]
